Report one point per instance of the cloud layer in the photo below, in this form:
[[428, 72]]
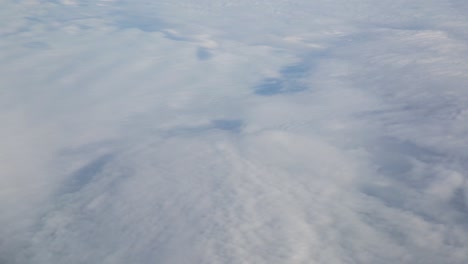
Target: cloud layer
[[233, 132]]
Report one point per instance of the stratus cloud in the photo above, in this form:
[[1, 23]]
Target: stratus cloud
[[202, 132]]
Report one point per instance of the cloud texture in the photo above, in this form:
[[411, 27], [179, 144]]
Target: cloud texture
[[233, 131]]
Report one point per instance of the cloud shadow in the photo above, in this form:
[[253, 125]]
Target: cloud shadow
[[84, 175]]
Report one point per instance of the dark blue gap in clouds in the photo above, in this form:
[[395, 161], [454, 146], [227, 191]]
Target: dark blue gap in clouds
[[275, 86], [295, 71], [148, 24], [228, 125], [269, 86], [234, 125], [291, 79], [204, 53], [84, 175], [175, 37]]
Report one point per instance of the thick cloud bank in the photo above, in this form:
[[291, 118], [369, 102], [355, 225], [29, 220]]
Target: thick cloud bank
[[203, 131]]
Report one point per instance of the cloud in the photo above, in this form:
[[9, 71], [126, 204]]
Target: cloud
[[231, 132]]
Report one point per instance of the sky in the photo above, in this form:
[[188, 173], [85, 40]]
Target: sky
[[204, 131]]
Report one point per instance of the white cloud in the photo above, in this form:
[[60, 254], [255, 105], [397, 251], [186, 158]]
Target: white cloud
[[233, 132]]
